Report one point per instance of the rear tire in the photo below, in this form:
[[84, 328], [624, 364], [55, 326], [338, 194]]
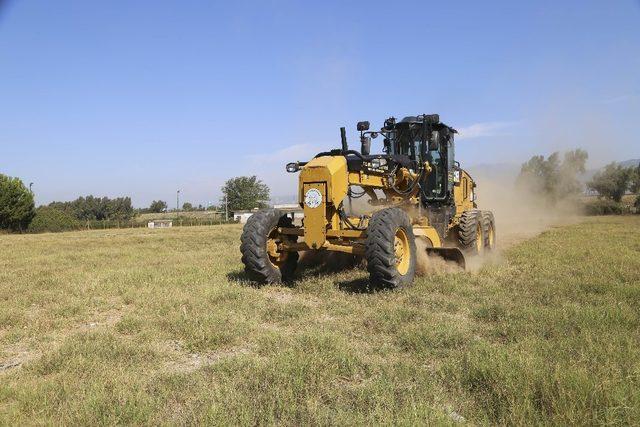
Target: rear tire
[[259, 232], [390, 249], [471, 232], [489, 226]]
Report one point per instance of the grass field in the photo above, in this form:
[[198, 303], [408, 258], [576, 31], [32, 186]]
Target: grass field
[[158, 327]]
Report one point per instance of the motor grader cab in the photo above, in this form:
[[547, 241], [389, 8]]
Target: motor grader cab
[[414, 188]]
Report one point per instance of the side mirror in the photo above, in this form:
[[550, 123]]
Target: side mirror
[[362, 126], [365, 148]]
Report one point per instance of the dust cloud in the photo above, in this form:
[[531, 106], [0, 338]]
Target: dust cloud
[[519, 214], [432, 264]]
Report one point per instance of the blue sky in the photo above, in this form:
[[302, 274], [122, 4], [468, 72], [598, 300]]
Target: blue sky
[[143, 98]]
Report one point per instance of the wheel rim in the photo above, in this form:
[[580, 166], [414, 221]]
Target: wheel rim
[[479, 242], [276, 257], [402, 251]]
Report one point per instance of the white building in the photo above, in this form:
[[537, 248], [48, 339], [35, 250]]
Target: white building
[[243, 216], [160, 223]]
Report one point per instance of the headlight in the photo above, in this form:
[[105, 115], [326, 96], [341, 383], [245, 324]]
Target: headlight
[[293, 167]]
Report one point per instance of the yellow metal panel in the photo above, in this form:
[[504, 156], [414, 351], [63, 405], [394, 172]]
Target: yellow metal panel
[[463, 192], [331, 170], [428, 232], [315, 221]]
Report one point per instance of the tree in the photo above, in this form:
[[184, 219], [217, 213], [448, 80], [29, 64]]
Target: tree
[[17, 208], [158, 206], [635, 181], [612, 181], [119, 208], [186, 206], [573, 164], [635, 185], [244, 193], [552, 179], [540, 174]]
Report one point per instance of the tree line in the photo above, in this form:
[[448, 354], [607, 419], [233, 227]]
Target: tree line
[[18, 212], [92, 208]]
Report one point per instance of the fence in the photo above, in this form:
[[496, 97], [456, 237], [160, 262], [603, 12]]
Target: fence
[[177, 222]]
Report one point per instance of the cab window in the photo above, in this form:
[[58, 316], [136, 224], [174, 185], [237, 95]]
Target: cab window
[[435, 180]]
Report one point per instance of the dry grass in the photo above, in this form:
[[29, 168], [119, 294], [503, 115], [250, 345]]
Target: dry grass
[[158, 327]]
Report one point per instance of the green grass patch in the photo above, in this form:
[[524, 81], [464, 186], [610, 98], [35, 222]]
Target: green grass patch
[[154, 327]]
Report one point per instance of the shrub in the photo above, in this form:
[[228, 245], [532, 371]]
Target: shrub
[[53, 220], [603, 207]]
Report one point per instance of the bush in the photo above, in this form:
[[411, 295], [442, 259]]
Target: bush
[[604, 207], [53, 220]]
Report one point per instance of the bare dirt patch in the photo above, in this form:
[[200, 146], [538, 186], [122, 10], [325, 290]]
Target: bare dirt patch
[[183, 361], [18, 355]]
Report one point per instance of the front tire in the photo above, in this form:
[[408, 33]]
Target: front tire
[[262, 262], [390, 249]]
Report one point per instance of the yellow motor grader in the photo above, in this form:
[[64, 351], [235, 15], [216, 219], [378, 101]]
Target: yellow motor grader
[[415, 189]]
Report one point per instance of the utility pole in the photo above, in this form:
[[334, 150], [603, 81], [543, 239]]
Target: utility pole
[[226, 208], [178, 201]]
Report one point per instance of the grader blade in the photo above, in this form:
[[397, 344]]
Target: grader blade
[[450, 254]]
